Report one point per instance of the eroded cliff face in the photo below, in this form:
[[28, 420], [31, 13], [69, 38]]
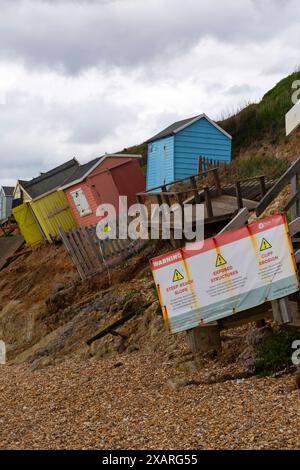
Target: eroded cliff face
[[47, 311], [25, 284]]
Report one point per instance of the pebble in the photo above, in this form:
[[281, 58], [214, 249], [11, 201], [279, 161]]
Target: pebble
[[56, 408]]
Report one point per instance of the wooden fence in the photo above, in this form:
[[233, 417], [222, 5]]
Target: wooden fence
[[92, 255], [204, 163]]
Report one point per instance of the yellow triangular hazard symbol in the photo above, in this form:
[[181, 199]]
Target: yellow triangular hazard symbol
[[265, 245], [220, 261], [177, 276]]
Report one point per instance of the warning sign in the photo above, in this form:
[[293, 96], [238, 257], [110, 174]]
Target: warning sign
[[265, 245], [220, 261], [201, 285], [177, 276]]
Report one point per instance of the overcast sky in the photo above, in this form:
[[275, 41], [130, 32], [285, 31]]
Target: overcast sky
[[84, 77]]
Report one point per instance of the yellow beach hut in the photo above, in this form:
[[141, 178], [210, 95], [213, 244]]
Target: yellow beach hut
[[40, 208]]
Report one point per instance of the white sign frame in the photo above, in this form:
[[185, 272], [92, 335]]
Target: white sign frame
[[292, 119]]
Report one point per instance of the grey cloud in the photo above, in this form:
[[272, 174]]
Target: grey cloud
[[73, 35], [36, 135], [243, 89], [93, 121], [76, 34], [281, 68]]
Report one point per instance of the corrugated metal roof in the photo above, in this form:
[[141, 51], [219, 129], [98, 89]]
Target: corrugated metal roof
[[179, 125], [8, 190], [50, 180]]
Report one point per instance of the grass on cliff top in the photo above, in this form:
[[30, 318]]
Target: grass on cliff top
[[240, 169], [263, 121]]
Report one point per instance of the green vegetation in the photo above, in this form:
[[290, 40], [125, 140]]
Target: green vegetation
[[256, 124], [264, 120], [155, 294], [140, 149], [275, 351], [271, 167]]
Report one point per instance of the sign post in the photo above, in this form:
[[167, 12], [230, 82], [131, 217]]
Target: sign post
[[232, 272]]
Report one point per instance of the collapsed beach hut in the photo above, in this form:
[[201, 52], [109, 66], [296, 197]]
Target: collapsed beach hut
[[40, 207], [102, 181]]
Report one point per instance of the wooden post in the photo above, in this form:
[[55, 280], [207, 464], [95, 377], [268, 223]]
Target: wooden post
[[163, 199], [160, 201], [139, 199], [179, 197], [217, 181], [208, 203], [262, 183], [195, 188], [166, 198], [200, 166], [239, 194], [204, 339], [205, 168], [294, 184], [281, 311]]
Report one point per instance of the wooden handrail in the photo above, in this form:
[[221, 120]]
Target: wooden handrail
[[250, 178], [117, 323], [238, 221], [283, 181], [292, 201], [203, 173], [294, 226], [169, 193], [208, 204]]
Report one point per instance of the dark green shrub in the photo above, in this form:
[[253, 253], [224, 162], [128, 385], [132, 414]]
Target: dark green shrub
[[275, 351]]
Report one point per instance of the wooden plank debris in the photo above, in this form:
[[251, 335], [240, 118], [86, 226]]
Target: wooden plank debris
[[116, 324], [8, 247]]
